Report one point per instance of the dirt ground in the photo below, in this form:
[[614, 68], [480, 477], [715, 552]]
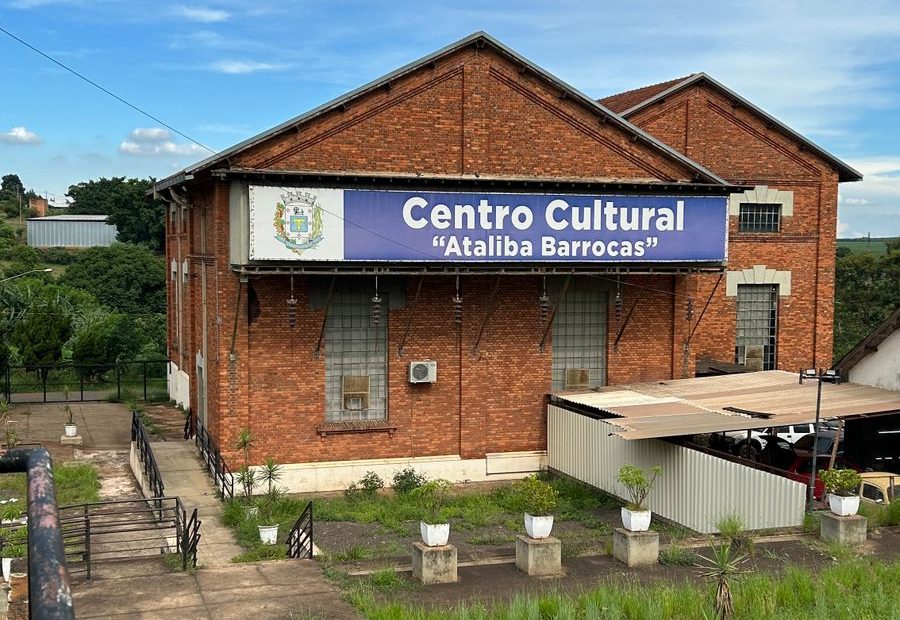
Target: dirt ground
[[501, 582]]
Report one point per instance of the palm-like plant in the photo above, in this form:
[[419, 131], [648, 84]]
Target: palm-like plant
[[722, 568], [246, 477]]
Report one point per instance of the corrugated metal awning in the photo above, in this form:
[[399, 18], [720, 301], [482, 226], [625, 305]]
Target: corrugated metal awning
[[727, 403]]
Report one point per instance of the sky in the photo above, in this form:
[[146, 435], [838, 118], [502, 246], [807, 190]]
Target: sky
[[222, 71]]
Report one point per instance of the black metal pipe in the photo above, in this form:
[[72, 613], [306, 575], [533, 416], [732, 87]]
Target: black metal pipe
[[49, 593]]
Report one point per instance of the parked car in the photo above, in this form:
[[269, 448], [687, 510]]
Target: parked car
[[879, 487], [736, 441], [801, 467], [825, 445]]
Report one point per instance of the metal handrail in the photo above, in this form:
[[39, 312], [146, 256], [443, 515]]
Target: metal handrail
[[218, 468], [49, 593], [300, 538], [148, 460]]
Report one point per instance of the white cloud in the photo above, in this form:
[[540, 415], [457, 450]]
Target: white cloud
[[156, 141], [236, 67], [201, 14], [150, 134], [20, 135]]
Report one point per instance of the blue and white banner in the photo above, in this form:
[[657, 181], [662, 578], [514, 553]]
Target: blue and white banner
[[327, 224]]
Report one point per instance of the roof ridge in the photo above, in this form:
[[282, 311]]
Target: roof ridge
[[622, 101]]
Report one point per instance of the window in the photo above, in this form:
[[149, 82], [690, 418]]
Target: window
[[759, 217], [579, 338], [873, 493], [757, 323], [355, 359]]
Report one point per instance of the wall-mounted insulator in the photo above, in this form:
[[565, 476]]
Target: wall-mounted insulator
[[376, 309], [618, 304], [544, 300], [292, 313], [457, 309], [689, 310]]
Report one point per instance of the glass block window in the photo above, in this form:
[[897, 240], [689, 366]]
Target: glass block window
[[579, 338], [355, 359], [754, 217], [757, 322]]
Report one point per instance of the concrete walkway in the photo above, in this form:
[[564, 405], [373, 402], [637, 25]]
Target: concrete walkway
[[184, 476], [285, 589]]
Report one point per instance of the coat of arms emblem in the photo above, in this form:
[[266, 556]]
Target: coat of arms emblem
[[298, 221]]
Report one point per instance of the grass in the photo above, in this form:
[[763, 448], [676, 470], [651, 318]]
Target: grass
[[858, 589], [877, 246], [246, 527], [881, 516], [466, 510], [492, 539], [76, 483], [677, 556]]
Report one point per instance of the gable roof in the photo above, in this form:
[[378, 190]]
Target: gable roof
[[868, 344], [627, 104], [478, 38], [620, 102]]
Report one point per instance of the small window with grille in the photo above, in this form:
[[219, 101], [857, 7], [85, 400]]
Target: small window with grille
[[757, 323], [759, 218], [355, 359]]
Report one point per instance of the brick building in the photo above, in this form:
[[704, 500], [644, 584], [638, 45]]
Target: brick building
[[313, 266]]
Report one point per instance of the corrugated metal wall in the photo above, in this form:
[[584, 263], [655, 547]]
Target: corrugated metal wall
[[694, 489], [69, 234]]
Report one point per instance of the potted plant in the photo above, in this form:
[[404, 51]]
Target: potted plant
[[843, 490], [435, 530], [268, 525], [12, 437], [638, 484], [71, 427], [537, 499], [245, 476]]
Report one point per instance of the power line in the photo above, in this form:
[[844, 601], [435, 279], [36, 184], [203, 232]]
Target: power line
[[105, 90]]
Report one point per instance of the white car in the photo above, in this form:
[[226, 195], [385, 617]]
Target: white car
[[790, 433]]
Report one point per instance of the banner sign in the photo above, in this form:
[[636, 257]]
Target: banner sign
[[327, 224]]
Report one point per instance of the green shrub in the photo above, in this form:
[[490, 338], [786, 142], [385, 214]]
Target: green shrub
[[732, 527], [368, 486], [431, 495], [844, 482], [638, 484], [535, 496], [406, 480]]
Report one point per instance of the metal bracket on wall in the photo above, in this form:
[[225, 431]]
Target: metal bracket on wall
[[562, 295], [325, 317], [621, 329], [702, 312], [487, 315], [412, 312]]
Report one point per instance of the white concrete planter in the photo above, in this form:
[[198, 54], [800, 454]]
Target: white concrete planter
[[843, 506], [7, 567], [538, 526], [71, 430], [268, 534], [636, 520], [434, 535]]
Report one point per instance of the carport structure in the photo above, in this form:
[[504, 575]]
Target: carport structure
[[592, 434]]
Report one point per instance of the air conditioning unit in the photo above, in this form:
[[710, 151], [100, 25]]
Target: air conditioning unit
[[355, 392], [423, 371]]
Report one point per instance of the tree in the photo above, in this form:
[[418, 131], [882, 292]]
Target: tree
[[867, 290], [43, 330], [127, 278], [138, 218], [11, 186], [109, 339]]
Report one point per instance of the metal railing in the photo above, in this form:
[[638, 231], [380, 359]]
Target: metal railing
[[148, 461], [55, 383], [300, 538], [49, 593], [218, 468], [122, 529]]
